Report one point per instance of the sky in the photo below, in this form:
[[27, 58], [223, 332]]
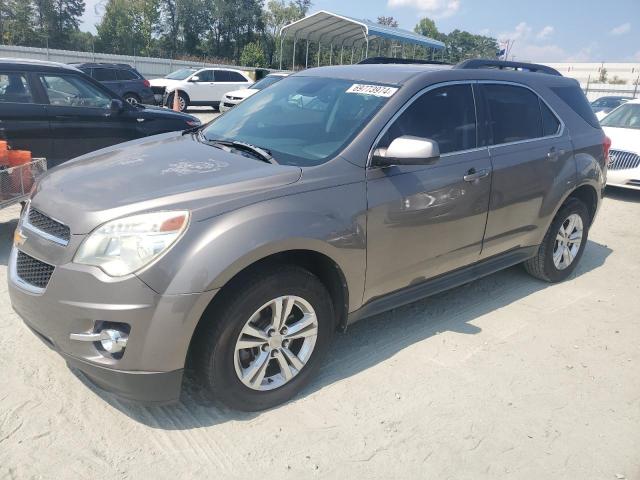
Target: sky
[[542, 30]]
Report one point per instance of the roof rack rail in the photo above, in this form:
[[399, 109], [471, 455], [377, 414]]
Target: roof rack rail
[[477, 63], [388, 60]]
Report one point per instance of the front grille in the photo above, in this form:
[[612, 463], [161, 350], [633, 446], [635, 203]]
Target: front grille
[[226, 104], [33, 271], [619, 160], [158, 90], [49, 225]]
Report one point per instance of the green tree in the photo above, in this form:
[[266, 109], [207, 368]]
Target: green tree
[[388, 21], [16, 22], [278, 14], [427, 27], [253, 56], [603, 75]]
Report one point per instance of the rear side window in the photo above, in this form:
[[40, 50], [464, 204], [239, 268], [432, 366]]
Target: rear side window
[[222, 76], [127, 75], [574, 97], [14, 88], [550, 123], [514, 113], [236, 77], [446, 115], [104, 74]]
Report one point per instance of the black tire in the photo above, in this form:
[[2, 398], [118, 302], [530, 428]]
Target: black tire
[[184, 104], [542, 266], [132, 98], [214, 344]]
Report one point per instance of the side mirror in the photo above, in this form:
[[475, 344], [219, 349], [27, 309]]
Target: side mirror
[[407, 150], [116, 106], [195, 78]]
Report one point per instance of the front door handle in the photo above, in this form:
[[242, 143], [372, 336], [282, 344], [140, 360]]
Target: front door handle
[[473, 174]]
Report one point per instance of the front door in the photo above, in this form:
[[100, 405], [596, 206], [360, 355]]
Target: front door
[[427, 220], [202, 89], [80, 117]]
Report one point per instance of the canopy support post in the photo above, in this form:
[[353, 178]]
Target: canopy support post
[[319, 49], [306, 57], [281, 47], [331, 54], [352, 54], [293, 57]]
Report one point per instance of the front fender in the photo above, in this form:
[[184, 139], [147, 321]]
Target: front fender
[[328, 221]]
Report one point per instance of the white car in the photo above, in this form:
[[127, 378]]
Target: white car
[[231, 99], [622, 126], [198, 86]]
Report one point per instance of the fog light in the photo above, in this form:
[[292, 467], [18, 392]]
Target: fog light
[[113, 341]]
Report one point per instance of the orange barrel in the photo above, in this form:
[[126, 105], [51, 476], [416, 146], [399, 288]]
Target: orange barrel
[[21, 178], [4, 153]]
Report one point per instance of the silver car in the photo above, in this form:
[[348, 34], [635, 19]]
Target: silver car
[[335, 194]]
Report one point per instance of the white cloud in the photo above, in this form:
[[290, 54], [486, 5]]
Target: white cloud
[[545, 32], [434, 8], [621, 29], [521, 31], [637, 56], [538, 53]]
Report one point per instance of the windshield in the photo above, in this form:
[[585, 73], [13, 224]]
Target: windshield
[[302, 121], [625, 116], [266, 81], [181, 74]]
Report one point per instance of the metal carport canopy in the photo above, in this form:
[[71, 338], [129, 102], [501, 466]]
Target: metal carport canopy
[[327, 27]]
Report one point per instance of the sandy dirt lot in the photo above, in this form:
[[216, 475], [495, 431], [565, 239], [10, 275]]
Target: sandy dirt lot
[[506, 377]]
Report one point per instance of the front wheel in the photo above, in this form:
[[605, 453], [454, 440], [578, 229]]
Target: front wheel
[[563, 244], [183, 101], [263, 344]]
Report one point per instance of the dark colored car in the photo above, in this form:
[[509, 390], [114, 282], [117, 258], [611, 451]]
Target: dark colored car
[[333, 195], [603, 105], [122, 79], [58, 112]]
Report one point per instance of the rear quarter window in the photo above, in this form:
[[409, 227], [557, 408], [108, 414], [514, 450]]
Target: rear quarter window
[[104, 74], [127, 75], [577, 101]]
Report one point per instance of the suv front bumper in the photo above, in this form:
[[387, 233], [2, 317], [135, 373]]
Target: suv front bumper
[[76, 297]]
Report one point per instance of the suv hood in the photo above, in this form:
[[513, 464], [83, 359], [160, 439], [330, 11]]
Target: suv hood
[[626, 139], [242, 93], [164, 82], [150, 111], [169, 171]]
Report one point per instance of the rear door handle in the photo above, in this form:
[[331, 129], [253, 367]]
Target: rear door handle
[[473, 174], [554, 154]]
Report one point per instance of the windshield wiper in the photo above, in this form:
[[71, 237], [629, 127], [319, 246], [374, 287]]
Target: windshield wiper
[[261, 153]]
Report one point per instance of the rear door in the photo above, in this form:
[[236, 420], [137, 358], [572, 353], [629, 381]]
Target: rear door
[[531, 154], [227, 81], [80, 117], [108, 78], [23, 117], [425, 220]]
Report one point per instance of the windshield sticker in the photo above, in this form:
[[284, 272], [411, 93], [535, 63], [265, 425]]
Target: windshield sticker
[[375, 90]]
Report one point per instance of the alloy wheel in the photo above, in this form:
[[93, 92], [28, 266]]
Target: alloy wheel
[[276, 343], [568, 241]]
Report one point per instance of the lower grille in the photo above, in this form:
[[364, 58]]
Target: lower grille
[[620, 160], [33, 271]]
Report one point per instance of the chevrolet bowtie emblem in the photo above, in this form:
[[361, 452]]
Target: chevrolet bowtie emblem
[[19, 238]]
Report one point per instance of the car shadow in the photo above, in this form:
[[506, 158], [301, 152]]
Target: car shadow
[[366, 343], [622, 194]]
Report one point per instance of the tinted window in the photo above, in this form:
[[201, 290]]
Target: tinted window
[[73, 91], [14, 88], [266, 81], [236, 77], [205, 76], [446, 115], [550, 124], [222, 76], [104, 74], [127, 75], [574, 97], [514, 113]]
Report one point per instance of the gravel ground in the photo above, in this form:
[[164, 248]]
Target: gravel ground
[[505, 377]]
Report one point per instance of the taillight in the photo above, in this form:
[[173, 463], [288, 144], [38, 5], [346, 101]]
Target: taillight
[[606, 146], [146, 83]]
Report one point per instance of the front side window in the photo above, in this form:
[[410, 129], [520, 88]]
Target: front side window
[[14, 88], [446, 115], [514, 113], [73, 91], [205, 76], [625, 116], [302, 121]]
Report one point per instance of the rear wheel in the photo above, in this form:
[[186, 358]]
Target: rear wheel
[[132, 98], [263, 344], [563, 244]]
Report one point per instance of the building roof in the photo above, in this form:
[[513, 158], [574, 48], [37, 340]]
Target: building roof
[[328, 27]]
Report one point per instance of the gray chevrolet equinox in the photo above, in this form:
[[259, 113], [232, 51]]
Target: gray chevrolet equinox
[[239, 248]]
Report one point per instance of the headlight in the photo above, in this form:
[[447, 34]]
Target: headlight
[[122, 246]]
